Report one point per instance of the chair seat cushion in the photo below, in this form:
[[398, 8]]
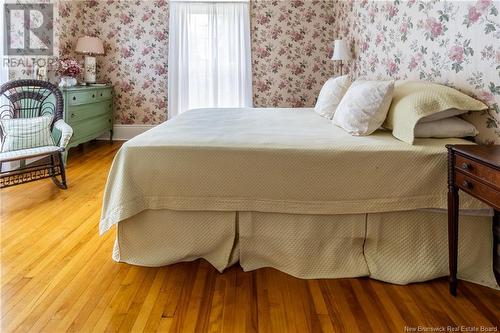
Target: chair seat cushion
[[25, 133], [27, 153]]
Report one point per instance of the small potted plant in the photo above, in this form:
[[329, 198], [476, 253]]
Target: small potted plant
[[68, 69]]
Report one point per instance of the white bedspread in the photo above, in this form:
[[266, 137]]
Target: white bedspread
[[273, 160]]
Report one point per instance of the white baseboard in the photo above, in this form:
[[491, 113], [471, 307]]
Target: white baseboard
[[125, 132]]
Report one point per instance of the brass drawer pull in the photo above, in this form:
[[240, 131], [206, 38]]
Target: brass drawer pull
[[466, 166], [468, 185]]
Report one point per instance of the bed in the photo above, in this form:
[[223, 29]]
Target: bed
[[285, 188]]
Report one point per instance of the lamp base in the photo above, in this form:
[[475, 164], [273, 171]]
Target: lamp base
[[90, 69]]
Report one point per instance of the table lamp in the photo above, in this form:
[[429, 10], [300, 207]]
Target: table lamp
[[90, 47], [341, 52]]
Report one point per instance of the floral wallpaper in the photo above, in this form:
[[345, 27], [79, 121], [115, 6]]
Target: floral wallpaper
[[135, 34], [291, 46], [456, 43], [290, 49]]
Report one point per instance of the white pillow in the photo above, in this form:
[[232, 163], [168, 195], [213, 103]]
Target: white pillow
[[364, 107], [330, 95], [442, 115], [453, 127], [25, 133]]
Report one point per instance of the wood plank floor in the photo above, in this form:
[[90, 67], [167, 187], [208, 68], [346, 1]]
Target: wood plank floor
[[57, 276]]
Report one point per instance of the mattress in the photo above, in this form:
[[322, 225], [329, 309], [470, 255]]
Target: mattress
[[289, 161]]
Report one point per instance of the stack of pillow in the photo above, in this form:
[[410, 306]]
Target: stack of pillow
[[410, 109]]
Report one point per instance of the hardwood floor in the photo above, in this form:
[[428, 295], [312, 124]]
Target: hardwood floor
[[57, 276]]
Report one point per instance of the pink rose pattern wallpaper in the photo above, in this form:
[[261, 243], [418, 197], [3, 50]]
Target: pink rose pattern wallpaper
[[291, 45], [456, 43], [135, 34]]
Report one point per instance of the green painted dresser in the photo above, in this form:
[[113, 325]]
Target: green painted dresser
[[89, 111]]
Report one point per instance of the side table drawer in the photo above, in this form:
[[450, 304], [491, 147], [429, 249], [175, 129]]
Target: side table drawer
[[471, 167], [477, 189]]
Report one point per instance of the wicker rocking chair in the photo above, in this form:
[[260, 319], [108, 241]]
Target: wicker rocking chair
[[30, 99]]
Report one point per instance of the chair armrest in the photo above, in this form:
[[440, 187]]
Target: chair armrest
[[66, 132]]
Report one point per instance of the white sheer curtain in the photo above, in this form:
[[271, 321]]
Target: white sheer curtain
[[209, 56]]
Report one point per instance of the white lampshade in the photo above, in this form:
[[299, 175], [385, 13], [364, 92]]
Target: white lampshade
[[341, 50], [89, 45]]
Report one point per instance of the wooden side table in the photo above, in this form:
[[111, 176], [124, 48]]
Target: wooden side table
[[475, 170]]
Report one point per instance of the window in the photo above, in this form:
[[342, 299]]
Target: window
[[209, 55]]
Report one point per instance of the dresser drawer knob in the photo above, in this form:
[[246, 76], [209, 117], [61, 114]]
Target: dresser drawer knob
[[468, 185], [101, 94], [466, 166], [74, 98], [93, 95], [73, 115]]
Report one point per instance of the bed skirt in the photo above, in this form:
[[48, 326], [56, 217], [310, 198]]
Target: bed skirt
[[395, 247]]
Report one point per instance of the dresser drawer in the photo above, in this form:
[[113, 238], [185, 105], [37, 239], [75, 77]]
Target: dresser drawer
[[82, 97], [481, 171], [79, 113], [104, 94], [478, 189], [91, 127]]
